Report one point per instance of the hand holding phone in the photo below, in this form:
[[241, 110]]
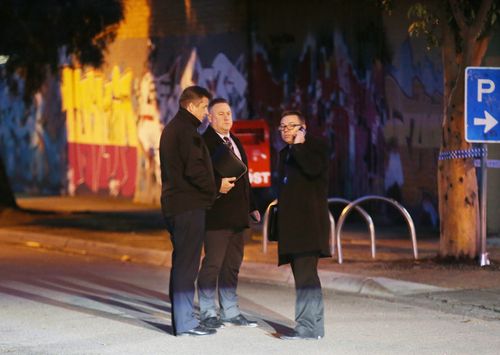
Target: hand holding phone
[[300, 137]]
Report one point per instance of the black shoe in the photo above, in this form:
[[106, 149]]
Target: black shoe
[[198, 331], [241, 321], [212, 323], [296, 336]]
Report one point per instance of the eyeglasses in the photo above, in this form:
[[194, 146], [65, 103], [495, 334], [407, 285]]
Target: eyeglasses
[[288, 127]]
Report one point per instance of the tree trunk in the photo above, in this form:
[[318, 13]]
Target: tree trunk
[[458, 198], [7, 199], [457, 181]]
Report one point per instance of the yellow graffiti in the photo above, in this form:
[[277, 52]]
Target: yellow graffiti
[[137, 20], [99, 111]]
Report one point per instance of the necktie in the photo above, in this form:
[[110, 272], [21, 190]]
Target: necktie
[[228, 143], [285, 165]]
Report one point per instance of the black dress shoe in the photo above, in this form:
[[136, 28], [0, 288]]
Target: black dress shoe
[[241, 321], [296, 336], [198, 331], [212, 323]]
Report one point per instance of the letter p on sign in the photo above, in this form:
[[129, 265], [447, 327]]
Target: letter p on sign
[[484, 86]]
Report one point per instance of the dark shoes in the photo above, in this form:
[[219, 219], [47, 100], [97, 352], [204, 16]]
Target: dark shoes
[[212, 323], [241, 321], [208, 326], [296, 336], [198, 331]]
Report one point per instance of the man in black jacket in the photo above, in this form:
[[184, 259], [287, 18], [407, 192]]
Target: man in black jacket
[[303, 220], [188, 190], [226, 224]]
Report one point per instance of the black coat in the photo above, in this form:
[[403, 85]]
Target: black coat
[[303, 220], [186, 168], [231, 210]]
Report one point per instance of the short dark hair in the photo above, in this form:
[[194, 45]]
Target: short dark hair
[[217, 100], [192, 94], [293, 113]]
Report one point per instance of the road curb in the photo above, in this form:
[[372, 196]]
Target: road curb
[[87, 247], [249, 271]]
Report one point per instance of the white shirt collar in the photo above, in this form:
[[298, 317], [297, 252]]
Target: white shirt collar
[[223, 135]]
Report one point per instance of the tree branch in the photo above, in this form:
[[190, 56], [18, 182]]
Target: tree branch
[[459, 17], [478, 24], [480, 50], [449, 53]]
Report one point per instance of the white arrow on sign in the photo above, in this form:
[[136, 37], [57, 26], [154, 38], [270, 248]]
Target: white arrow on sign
[[488, 122]]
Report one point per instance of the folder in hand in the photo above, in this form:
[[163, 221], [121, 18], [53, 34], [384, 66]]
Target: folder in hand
[[227, 164]]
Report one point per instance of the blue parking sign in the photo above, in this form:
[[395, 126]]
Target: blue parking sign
[[482, 105]]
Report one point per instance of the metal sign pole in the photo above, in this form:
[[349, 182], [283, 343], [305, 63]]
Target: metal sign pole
[[483, 260]]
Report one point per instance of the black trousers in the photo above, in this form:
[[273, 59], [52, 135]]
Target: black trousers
[[309, 309], [186, 233], [219, 269]]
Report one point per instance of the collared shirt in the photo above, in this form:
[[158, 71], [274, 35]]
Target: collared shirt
[[235, 147]]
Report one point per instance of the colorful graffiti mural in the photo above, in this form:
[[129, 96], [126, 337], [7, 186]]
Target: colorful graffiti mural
[[339, 104], [32, 137], [102, 132], [383, 123], [114, 124], [382, 120], [381, 117], [222, 78]]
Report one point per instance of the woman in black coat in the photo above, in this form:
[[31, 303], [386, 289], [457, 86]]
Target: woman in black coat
[[303, 220]]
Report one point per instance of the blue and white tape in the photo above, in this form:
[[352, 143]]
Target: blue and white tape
[[463, 154]]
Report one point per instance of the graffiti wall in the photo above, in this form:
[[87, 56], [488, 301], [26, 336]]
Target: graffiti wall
[[345, 108], [373, 94], [114, 123], [32, 137], [101, 131], [368, 107]]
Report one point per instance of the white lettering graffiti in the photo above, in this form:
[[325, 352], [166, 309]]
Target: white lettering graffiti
[[260, 177]]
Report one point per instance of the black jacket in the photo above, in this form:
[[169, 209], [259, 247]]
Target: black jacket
[[303, 220], [186, 169], [229, 211]]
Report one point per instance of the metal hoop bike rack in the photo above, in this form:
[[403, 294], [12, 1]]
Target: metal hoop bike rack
[[366, 217], [265, 223], [396, 204]]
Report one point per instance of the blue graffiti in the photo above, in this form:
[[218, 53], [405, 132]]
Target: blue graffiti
[[32, 141]]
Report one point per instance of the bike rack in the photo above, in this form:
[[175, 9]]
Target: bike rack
[[265, 239], [368, 220], [396, 204]]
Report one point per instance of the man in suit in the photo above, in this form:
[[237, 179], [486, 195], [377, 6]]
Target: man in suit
[[188, 190], [226, 223], [303, 220]]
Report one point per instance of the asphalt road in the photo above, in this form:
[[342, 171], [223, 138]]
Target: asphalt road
[[56, 303]]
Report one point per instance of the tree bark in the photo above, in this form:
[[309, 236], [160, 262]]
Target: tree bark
[[7, 199], [457, 181], [457, 188]]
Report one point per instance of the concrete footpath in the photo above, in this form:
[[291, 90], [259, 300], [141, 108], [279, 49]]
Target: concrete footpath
[[132, 232]]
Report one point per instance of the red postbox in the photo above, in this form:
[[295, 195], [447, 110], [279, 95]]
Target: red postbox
[[254, 135]]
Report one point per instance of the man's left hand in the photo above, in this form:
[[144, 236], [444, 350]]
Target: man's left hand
[[255, 216], [300, 137]]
